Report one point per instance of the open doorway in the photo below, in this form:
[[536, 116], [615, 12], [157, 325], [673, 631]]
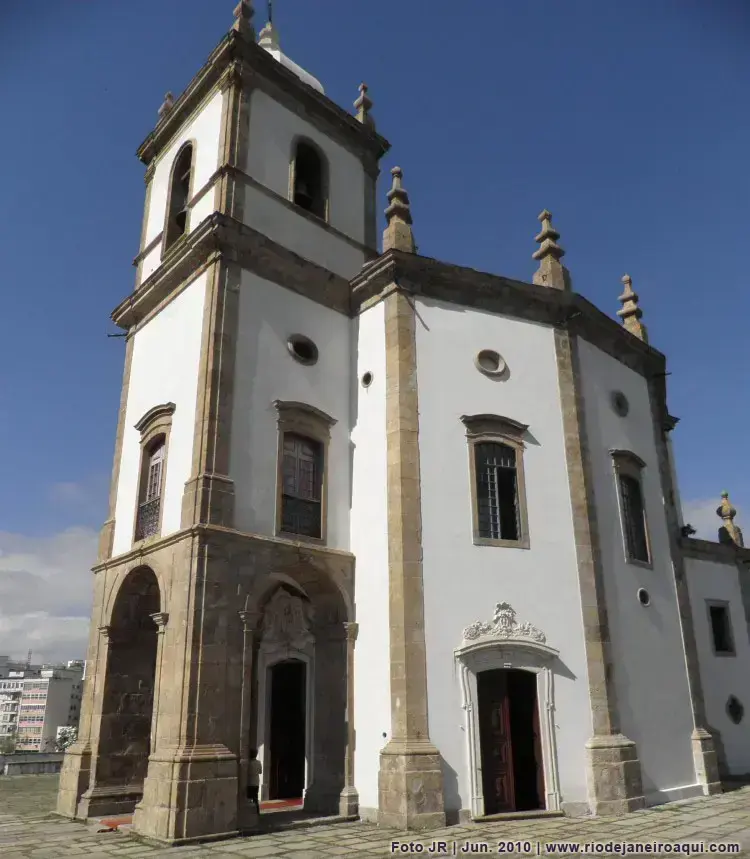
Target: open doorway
[[512, 771], [288, 702]]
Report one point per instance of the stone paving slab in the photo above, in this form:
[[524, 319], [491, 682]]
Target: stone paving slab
[[28, 830]]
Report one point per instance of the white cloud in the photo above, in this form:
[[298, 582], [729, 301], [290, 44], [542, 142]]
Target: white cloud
[[701, 514], [46, 589]]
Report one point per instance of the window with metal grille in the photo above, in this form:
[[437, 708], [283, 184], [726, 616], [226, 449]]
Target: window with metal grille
[[302, 484], [720, 629], [497, 491], [150, 506], [634, 518]]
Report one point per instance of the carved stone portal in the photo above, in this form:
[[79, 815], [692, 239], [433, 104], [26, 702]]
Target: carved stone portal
[[503, 643], [286, 622]]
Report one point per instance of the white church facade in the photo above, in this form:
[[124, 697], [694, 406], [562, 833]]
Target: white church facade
[[410, 530]]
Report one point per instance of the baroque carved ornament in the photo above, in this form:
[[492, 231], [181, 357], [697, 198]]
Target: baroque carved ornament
[[503, 626], [286, 621]]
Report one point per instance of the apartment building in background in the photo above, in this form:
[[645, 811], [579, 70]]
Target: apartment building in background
[[36, 701]]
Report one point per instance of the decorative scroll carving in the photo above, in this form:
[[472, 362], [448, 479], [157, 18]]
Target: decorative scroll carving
[[503, 626]]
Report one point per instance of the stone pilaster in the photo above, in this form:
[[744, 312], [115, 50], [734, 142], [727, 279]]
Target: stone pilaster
[[75, 775], [349, 801], [209, 494], [410, 784], [248, 816], [704, 748], [191, 788], [107, 533], [614, 771]]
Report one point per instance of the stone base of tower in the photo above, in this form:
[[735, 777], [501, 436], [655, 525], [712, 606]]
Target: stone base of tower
[[706, 761], [410, 787], [615, 784], [189, 795]]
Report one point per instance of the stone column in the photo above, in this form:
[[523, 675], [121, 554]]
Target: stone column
[[349, 801], [248, 817], [614, 771], [160, 618], [410, 782]]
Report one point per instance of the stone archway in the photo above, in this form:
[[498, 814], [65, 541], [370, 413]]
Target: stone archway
[[302, 617], [129, 681], [504, 645]]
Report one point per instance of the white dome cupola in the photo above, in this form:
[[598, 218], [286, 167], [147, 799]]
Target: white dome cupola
[[269, 41]]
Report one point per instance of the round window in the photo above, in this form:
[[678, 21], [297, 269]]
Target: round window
[[643, 597], [302, 349], [620, 403], [366, 379], [490, 362]]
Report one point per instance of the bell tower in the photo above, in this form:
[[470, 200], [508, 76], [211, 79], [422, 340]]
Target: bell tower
[[231, 472]]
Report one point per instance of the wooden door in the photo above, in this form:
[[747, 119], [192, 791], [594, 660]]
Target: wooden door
[[495, 742]]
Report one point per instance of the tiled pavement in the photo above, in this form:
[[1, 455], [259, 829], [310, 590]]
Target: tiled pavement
[[29, 831]]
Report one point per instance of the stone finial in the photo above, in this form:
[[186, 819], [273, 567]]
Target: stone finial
[[729, 532], [398, 234], [167, 105], [363, 105], [269, 38], [551, 271], [243, 19], [630, 313]]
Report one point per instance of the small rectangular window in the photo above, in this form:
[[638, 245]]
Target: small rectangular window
[[497, 492], [721, 629], [302, 485], [634, 518]]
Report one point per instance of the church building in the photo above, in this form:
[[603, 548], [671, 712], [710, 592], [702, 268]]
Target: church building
[[410, 530]]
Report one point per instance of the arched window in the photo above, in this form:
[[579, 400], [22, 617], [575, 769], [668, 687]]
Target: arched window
[[309, 190], [179, 194], [152, 480]]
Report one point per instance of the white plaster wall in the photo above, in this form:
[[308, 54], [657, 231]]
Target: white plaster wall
[[301, 235], [369, 543], [205, 131], [273, 134], [649, 662], [166, 356], [464, 582], [264, 372], [722, 676]]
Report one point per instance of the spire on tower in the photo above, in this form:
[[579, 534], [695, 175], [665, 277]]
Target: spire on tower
[[167, 105], [631, 313], [362, 105], [398, 234], [729, 532], [551, 271], [243, 19]]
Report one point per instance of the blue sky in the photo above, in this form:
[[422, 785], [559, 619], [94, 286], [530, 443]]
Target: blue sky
[[628, 121]]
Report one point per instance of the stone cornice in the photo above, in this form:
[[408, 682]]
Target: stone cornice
[[432, 279], [720, 553], [308, 553], [225, 236], [239, 58]]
